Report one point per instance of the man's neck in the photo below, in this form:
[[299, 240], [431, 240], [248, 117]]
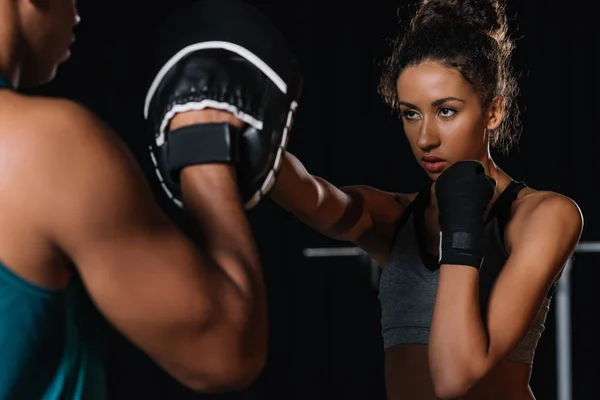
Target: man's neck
[[10, 49], [10, 70]]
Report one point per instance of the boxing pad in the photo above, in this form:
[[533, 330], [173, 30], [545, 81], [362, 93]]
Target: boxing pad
[[225, 55]]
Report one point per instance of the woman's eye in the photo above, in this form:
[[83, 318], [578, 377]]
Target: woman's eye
[[410, 114], [447, 112]]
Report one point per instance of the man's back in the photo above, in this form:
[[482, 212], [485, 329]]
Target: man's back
[[51, 335]]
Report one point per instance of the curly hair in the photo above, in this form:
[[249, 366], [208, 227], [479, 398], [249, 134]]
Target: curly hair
[[470, 36]]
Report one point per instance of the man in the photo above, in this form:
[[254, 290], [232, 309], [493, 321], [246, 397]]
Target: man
[[83, 242]]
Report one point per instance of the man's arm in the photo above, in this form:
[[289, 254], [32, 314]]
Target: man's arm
[[200, 313]]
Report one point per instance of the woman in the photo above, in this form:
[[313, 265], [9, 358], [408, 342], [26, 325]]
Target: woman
[[470, 262]]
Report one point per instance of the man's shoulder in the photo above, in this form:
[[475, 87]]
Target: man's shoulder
[[64, 115], [46, 125], [57, 149], [49, 139]]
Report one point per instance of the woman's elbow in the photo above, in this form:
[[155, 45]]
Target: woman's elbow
[[451, 386], [448, 392]]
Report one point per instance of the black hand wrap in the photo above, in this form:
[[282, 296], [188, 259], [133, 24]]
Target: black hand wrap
[[463, 193], [197, 144], [222, 54]]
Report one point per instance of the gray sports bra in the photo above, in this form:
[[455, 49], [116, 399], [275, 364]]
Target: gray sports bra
[[409, 282]]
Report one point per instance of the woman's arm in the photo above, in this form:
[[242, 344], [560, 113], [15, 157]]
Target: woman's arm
[[349, 213], [463, 348]]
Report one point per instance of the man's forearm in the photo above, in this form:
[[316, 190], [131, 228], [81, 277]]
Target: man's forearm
[[210, 195]]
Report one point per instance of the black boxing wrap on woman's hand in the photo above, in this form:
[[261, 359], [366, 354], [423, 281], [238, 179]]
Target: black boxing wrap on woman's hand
[[463, 193]]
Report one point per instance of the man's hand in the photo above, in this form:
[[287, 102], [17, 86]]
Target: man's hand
[[206, 116]]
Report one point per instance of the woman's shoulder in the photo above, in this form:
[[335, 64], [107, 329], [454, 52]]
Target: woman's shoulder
[[530, 199], [545, 208]]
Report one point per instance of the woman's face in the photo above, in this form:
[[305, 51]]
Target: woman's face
[[443, 117]]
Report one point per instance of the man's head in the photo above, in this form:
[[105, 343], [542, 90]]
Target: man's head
[[43, 33]]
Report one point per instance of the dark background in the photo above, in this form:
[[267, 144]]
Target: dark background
[[325, 341]]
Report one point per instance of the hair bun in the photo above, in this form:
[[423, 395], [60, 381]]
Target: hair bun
[[434, 12], [486, 15]]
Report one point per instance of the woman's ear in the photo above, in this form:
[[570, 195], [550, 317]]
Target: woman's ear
[[495, 113]]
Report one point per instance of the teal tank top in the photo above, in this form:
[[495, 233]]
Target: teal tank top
[[4, 83], [52, 342]]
